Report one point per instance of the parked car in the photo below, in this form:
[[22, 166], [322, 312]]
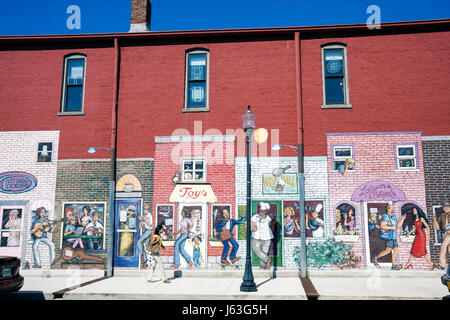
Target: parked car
[[10, 279]]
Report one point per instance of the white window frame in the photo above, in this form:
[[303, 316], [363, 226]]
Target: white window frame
[[346, 104], [63, 96], [438, 244], [186, 107], [194, 160], [398, 157], [341, 158]]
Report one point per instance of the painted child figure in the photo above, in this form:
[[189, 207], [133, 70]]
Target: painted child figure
[[197, 253]]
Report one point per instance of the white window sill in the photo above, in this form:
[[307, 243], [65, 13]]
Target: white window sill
[[71, 113], [195, 109], [336, 106], [407, 170]]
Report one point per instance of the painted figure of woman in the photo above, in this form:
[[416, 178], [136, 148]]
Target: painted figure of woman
[[419, 246], [14, 223], [185, 227], [156, 241], [290, 225]]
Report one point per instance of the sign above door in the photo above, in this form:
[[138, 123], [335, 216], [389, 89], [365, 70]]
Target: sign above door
[[193, 193]]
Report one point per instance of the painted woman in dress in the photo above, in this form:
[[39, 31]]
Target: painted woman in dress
[[419, 246]]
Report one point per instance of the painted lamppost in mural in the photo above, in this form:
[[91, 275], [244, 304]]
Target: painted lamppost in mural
[[248, 124], [301, 184], [112, 184]]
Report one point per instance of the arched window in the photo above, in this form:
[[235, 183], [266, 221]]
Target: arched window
[[345, 219], [73, 84], [335, 76], [196, 90], [407, 209]]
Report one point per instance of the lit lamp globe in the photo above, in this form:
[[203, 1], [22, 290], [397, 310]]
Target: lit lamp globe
[[248, 120], [261, 135]]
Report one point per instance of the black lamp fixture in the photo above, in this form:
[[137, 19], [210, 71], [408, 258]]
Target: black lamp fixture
[[248, 124]]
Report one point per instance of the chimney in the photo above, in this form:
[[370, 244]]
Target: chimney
[[141, 12]]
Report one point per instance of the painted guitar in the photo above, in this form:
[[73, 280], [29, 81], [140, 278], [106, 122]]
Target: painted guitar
[[39, 228], [78, 255]]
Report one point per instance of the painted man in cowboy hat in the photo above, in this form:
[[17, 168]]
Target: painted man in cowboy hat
[[443, 224], [262, 235]]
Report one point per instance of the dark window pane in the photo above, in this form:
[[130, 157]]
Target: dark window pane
[[405, 151], [407, 163], [197, 67], [75, 71], [197, 92], [334, 88], [199, 165], [74, 97], [342, 152]]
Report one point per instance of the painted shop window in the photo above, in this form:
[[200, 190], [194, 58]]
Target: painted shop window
[[126, 232], [11, 227], [406, 157], [73, 83], [218, 212], [345, 220], [335, 76], [83, 226], [194, 171], [197, 82], [340, 155], [164, 216], [45, 152], [438, 235], [408, 224]]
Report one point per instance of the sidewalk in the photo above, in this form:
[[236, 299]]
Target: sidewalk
[[225, 285]]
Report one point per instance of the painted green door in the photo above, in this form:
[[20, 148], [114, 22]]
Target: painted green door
[[275, 250]]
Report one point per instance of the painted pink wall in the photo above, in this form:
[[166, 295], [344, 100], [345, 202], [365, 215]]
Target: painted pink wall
[[374, 156]]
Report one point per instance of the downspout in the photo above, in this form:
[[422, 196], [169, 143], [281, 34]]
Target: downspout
[[301, 171], [112, 178]]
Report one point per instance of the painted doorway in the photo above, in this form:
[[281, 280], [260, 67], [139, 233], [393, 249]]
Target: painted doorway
[[374, 245], [276, 245], [198, 215], [11, 219], [127, 233]]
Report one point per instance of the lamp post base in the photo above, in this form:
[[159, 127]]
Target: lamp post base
[[248, 286]]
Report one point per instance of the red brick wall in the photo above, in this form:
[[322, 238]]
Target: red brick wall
[[257, 73], [396, 82], [30, 96]]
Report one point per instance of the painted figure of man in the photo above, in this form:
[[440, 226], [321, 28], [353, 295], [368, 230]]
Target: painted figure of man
[[443, 225], [262, 235], [146, 226], [315, 223], [389, 223], [39, 230], [228, 224], [94, 228]]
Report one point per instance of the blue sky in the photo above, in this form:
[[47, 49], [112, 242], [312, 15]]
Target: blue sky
[[29, 17]]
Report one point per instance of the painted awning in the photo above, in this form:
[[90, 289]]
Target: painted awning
[[378, 190], [193, 193]]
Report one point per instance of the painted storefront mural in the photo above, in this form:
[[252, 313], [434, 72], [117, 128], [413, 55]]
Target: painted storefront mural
[[217, 216], [164, 216]]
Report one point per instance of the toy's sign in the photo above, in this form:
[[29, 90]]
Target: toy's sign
[[193, 193], [17, 182]]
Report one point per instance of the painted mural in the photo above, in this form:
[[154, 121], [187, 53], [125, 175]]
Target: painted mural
[[84, 225], [41, 227], [217, 216], [164, 216], [11, 224]]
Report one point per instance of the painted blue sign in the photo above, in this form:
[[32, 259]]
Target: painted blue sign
[[17, 182]]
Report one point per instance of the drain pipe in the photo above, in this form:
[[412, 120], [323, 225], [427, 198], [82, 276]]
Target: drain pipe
[[112, 172], [301, 171]]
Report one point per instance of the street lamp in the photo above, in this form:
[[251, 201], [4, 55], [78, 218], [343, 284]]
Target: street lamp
[[301, 183], [111, 211], [248, 124]]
